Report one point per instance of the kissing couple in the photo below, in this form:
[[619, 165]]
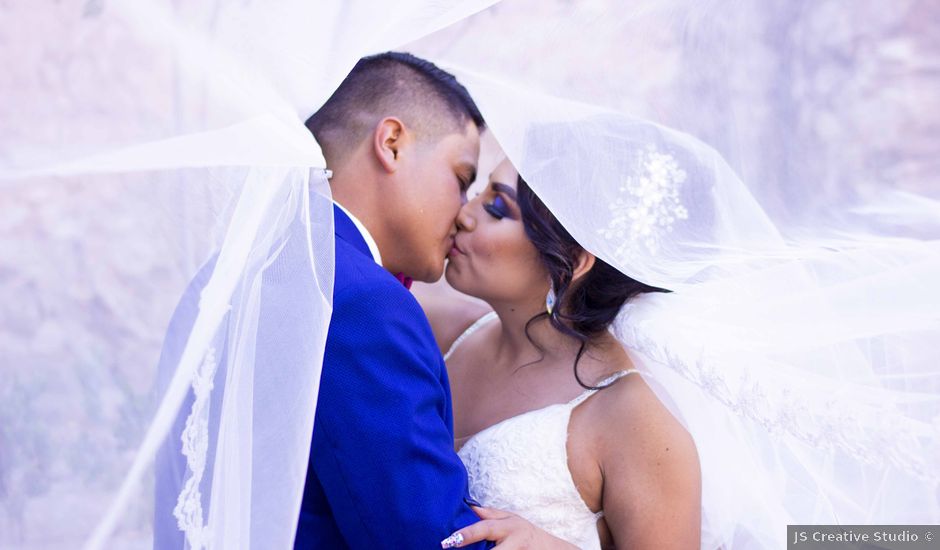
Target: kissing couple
[[497, 410], [532, 397]]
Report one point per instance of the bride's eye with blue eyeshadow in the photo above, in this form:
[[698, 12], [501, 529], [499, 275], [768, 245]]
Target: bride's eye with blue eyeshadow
[[497, 207]]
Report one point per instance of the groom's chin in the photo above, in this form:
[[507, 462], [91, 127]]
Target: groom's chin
[[432, 274]]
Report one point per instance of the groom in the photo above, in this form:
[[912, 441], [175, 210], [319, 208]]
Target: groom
[[402, 138]]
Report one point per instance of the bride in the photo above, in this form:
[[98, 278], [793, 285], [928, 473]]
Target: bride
[[648, 363], [553, 421]]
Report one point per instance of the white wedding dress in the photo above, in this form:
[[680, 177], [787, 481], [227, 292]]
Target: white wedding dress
[[520, 465]]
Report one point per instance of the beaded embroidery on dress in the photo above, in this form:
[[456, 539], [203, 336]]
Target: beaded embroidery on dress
[[521, 465]]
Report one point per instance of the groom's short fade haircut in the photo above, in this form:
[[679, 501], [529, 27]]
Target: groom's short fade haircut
[[426, 98]]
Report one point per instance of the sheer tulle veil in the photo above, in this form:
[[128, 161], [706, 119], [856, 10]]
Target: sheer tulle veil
[[773, 166]]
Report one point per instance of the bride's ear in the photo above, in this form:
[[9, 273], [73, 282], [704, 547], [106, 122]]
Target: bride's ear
[[584, 265]]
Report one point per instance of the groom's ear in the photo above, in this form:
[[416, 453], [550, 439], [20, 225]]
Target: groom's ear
[[387, 140], [584, 265]]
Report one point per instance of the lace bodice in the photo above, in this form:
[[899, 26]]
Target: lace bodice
[[521, 465]]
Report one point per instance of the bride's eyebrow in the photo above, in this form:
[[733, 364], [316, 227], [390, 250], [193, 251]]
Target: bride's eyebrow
[[507, 190]]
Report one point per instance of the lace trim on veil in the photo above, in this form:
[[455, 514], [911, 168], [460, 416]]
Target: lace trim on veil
[[195, 440], [874, 434]]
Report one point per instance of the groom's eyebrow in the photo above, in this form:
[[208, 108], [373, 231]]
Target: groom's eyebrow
[[503, 188]]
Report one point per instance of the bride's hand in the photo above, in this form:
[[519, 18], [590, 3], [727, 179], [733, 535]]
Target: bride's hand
[[509, 531]]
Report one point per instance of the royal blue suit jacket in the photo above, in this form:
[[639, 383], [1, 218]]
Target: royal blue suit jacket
[[383, 472]]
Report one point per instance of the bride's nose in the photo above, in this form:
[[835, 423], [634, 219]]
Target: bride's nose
[[465, 220]]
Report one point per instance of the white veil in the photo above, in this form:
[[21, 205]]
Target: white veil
[[773, 165], [801, 369]]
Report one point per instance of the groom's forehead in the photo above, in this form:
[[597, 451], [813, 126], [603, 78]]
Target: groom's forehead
[[463, 141]]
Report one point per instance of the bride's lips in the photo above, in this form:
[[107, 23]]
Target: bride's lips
[[454, 249]]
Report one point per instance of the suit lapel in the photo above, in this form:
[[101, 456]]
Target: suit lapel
[[347, 231]]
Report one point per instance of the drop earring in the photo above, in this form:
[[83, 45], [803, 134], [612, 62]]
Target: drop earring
[[550, 297]]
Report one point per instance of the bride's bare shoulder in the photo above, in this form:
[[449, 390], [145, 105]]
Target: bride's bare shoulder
[[449, 312], [630, 411]]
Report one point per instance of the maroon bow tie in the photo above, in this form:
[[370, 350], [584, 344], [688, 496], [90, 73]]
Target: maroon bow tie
[[404, 280]]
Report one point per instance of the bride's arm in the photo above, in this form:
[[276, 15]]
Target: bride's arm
[[448, 311], [652, 479]]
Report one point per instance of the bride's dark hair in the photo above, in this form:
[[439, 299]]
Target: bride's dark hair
[[586, 308]]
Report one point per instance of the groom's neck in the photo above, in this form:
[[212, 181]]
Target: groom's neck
[[360, 202]]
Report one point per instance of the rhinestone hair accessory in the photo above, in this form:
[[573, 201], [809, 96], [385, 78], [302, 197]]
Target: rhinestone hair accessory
[[647, 205]]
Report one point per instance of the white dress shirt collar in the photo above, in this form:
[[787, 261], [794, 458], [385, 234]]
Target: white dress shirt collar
[[370, 242]]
